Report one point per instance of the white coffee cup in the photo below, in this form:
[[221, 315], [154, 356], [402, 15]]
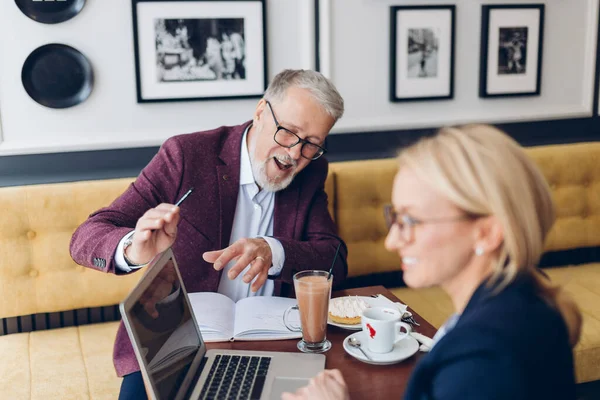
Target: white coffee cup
[[381, 327]]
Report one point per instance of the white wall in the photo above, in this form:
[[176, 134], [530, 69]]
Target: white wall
[[111, 117], [360, 67], [354, 54]]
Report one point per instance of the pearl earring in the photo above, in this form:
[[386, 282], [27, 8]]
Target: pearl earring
[[479, 251]]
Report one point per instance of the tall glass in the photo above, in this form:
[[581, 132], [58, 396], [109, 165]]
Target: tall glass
[[313, 291]]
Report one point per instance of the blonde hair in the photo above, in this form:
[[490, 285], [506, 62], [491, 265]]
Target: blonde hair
[[485, 172]]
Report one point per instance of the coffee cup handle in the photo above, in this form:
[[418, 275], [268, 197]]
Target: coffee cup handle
[[399, 334], [285, 321]]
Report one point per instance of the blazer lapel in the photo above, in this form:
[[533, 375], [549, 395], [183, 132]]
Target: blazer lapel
[[228, 176], [286, 206], [284, 225]]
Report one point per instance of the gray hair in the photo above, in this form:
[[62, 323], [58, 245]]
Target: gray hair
[[320, 87]]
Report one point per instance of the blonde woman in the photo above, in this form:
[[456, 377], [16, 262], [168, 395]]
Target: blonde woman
[[470, 214]]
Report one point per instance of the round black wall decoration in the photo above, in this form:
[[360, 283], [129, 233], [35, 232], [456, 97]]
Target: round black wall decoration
[[50, 11], [57, 76]]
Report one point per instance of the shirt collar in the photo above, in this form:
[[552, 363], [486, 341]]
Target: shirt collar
[[246, 175]]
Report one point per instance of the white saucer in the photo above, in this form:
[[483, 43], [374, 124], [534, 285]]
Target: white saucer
[[402, 350], [371, 301]]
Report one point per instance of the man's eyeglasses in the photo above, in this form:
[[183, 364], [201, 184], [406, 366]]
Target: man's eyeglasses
[[286, 138], [406, 224]]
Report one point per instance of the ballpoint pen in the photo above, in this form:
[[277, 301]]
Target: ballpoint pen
[[184, 196]]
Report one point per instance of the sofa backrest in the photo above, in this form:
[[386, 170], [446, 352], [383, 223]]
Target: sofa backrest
[[37, 274], [362, 188], [573, 173]]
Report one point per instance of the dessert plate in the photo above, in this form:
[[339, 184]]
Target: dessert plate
[[380, 301], [402, 350]]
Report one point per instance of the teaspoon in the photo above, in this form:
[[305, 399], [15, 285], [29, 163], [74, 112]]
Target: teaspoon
[[354, 342]]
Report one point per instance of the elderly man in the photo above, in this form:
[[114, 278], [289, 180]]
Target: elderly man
[[258, 213]]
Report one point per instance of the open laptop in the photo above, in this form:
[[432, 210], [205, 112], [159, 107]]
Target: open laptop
[[173, 357]]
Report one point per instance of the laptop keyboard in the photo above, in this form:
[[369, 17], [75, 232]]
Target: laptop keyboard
[[236, 378]]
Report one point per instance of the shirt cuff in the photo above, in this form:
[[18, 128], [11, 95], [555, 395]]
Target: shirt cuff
[[277, 255], [120, 262]]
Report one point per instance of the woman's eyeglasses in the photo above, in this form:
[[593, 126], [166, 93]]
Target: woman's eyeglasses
[[406, 224]]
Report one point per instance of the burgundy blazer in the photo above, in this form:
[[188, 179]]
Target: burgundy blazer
[[210, 162]]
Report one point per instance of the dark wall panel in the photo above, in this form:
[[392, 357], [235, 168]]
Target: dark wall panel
[[75, 166], [90, 165]]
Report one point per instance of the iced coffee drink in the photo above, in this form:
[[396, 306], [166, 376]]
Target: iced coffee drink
[[313, 290]]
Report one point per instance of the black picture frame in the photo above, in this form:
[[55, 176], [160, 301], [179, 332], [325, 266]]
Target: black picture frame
[[446, 87], [253, 81], [485, 87], [317, 16]]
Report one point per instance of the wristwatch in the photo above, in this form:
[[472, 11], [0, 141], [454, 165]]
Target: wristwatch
[[126, 244]]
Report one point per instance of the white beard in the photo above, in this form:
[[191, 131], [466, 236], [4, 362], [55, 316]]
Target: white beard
[[259, 170]]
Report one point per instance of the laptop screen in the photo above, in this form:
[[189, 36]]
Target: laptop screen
[[166, 332]]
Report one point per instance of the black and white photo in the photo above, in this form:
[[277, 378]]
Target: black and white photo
[[511, 50], [199, 50], [421, 53]]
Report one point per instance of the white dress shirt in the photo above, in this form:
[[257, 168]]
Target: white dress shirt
[[253, 218]]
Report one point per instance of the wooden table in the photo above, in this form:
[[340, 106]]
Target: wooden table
[[365, 381]]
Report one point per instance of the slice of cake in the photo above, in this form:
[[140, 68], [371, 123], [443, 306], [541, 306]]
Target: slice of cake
[[347, 310]]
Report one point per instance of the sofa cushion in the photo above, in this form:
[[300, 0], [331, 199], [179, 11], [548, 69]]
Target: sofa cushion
[[37, 274], [573, 173], [65, 363], [362, 188], [582, 282]]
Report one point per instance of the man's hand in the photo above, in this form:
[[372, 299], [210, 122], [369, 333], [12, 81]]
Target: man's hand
[[328, 385], [246, 251], [155, 232]]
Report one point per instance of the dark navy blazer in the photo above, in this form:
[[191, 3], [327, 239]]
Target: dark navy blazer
[[511, 345]]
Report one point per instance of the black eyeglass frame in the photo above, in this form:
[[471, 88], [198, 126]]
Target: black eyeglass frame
[[304, 142]]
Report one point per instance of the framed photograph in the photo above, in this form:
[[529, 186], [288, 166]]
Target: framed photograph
[[511, 50], [199, 50], [421, 52]]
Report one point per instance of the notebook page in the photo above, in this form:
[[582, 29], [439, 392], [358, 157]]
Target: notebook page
[[215, 314], [261, 318]]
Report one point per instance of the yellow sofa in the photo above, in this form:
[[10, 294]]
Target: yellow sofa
[[64, 350], [573, 172]]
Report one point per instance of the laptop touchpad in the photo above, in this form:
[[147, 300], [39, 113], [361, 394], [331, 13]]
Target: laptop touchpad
[[282, 385]]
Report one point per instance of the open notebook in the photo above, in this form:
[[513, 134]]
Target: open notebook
[[222, 320], [252, 318]]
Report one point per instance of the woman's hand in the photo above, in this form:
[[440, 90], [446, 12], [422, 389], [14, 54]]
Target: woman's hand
[[328, 385]]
